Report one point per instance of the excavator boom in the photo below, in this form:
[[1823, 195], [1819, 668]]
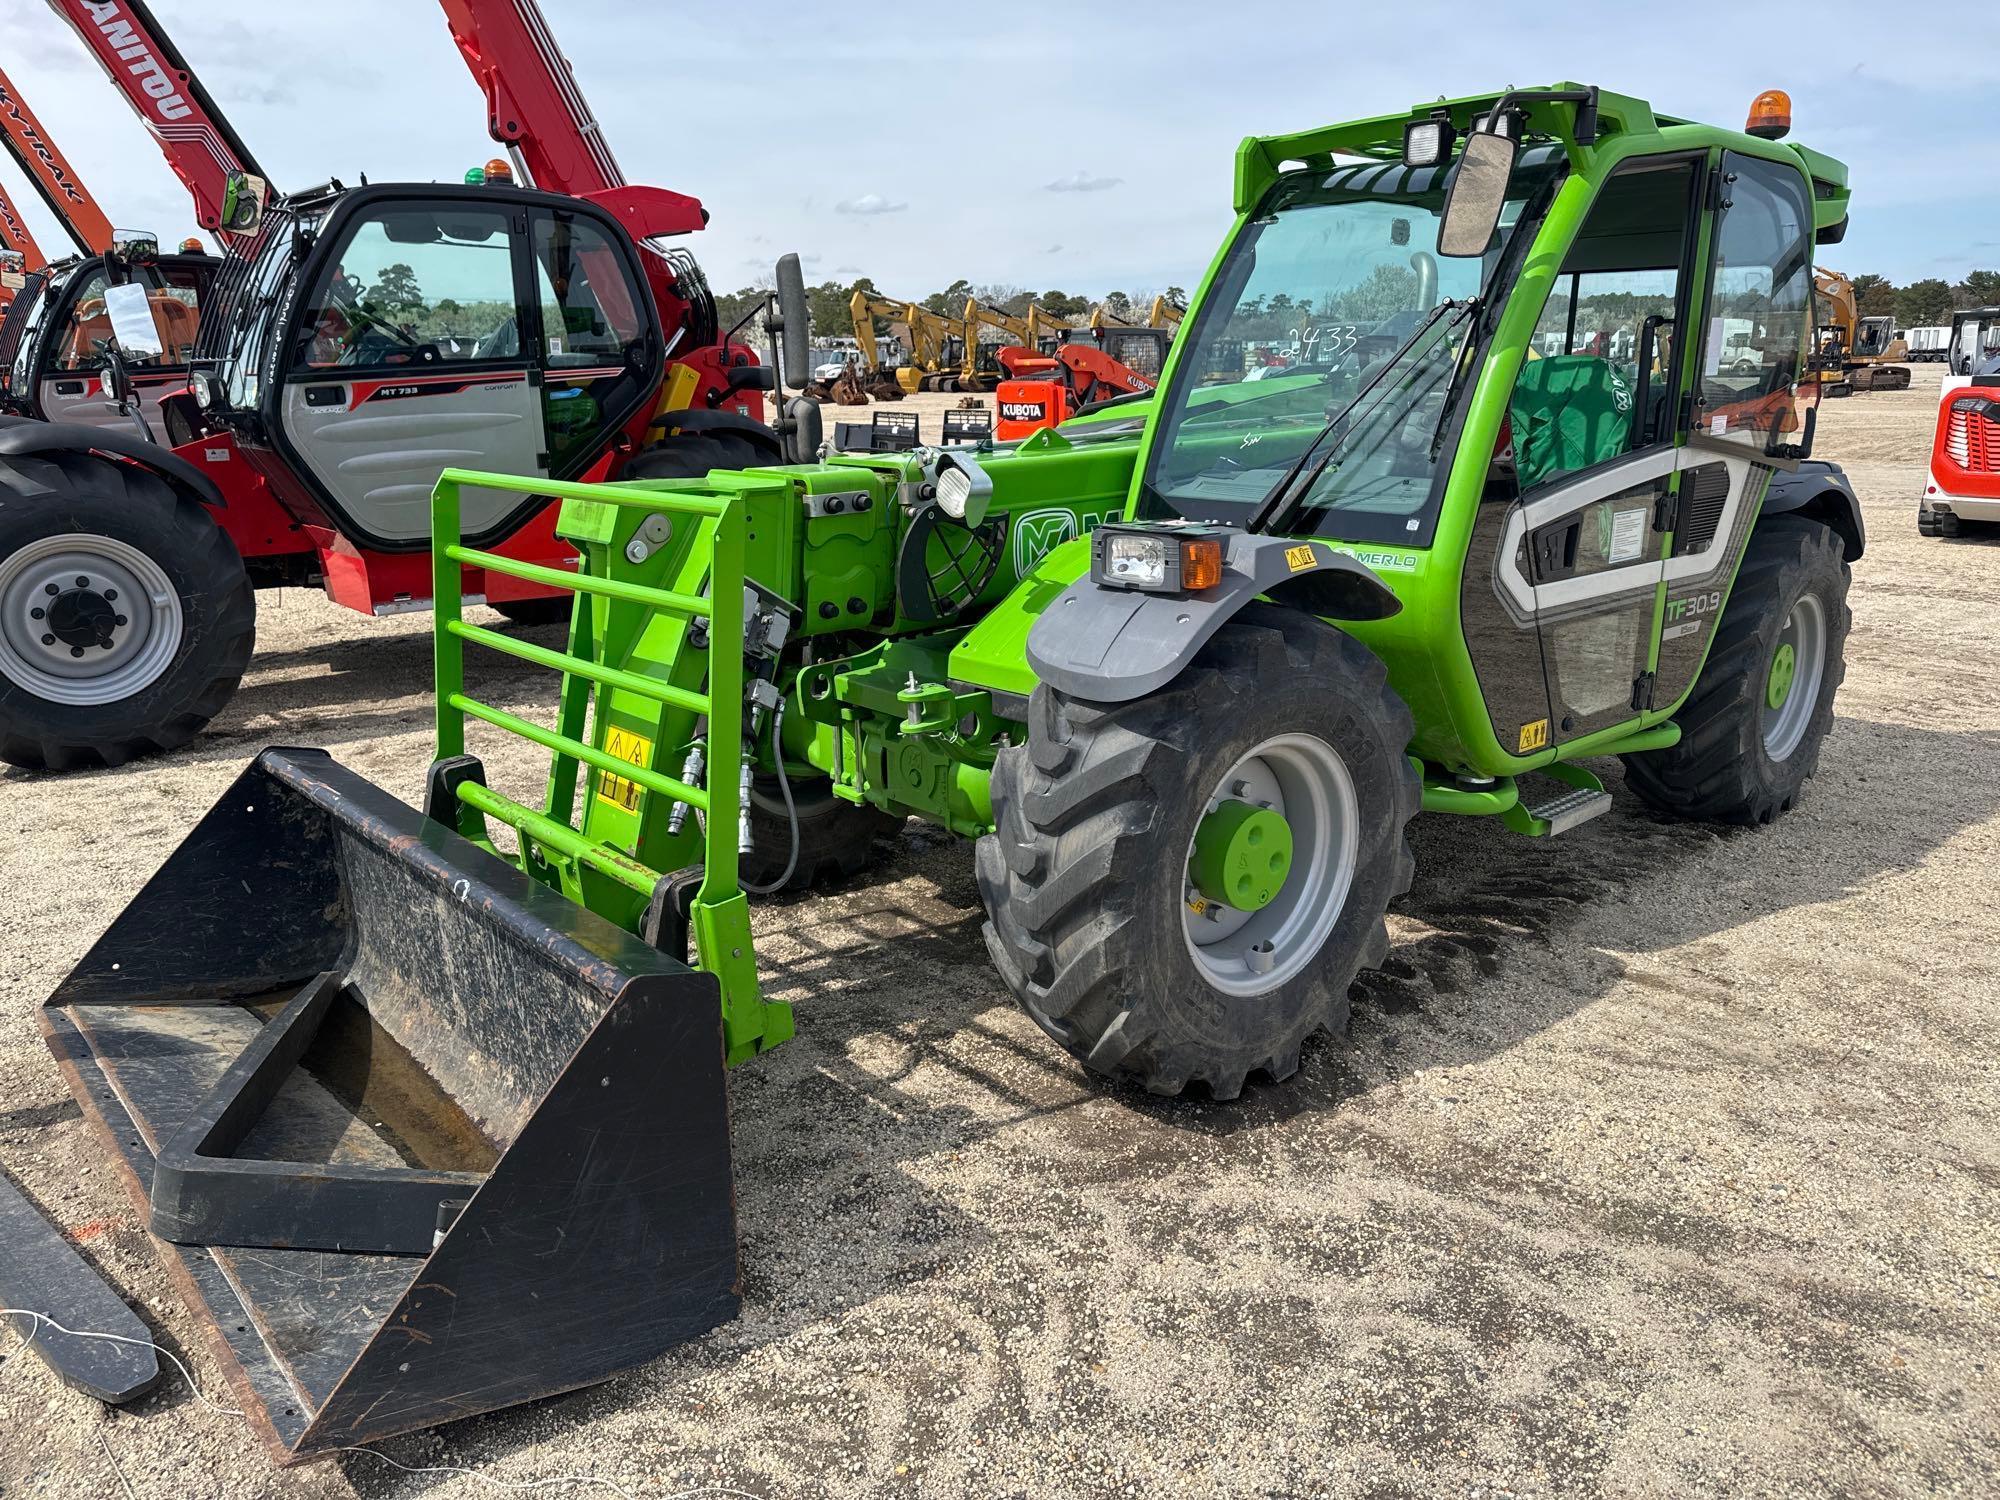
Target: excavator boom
[[46, 167], [198, 142]]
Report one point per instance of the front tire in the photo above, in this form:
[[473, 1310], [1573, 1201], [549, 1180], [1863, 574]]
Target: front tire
[[1752, 726], [1093, 920], [126, 616]]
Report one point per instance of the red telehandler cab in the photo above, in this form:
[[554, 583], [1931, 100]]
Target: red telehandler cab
[[355, 342]]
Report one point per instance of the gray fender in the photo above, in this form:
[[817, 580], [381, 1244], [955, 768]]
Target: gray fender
[[23, 437], [1114, 645], [1822, 491]]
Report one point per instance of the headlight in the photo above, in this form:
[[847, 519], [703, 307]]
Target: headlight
[[963, 489], [1159, 560], [1427, 143]]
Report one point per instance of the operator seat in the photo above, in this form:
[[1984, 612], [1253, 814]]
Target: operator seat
[[1569, 412]]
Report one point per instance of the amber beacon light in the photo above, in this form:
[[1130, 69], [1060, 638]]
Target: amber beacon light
[[1770, 115]]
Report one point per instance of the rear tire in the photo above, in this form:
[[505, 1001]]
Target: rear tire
[[1086, 879], [1742, 757], [836, 837], [154, 593]]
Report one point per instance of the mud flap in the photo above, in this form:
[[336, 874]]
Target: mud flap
[[417, 1137]]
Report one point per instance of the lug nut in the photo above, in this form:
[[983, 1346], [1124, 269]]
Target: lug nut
[[53, 589], [117, 619], [48, 640], [37, 612], [82, 582], [76, 651], [110, 594]]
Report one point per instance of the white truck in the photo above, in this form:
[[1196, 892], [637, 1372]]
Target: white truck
[[1928, 345]]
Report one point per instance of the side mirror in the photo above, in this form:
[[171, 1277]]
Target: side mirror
[[132, 326], [243, 197], [794, 321], [1478, 193]]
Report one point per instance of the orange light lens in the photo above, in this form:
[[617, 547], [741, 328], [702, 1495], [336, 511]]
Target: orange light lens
[[1201, 563], [1770, 111], [190, 246], [499, 170]]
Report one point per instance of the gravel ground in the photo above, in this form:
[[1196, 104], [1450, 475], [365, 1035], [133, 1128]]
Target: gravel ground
[[1661, 1159]]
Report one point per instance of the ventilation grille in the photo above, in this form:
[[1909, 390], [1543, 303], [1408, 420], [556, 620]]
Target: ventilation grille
[[1704, 493], [1972, 434]]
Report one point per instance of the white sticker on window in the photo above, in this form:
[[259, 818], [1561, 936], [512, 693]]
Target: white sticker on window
[[1628, 535], [1718, 425]]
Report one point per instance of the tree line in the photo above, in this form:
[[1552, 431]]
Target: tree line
[[1926, 303]]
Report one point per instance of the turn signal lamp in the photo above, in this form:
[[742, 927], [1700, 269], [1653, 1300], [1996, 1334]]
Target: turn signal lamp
[[1157, 560], [498, 170], [1770, 115]]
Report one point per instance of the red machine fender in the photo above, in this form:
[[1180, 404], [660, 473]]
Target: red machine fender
[[22, 437]]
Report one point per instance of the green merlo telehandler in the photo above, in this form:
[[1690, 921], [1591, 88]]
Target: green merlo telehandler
[[1534, 489]]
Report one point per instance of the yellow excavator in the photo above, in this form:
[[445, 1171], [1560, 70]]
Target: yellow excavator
[[1047, 332], [975, 374], [1870, 356], [932, 340], [1166, 313]]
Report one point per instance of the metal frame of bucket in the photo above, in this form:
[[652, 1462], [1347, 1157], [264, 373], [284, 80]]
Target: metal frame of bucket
[[418, 1137]]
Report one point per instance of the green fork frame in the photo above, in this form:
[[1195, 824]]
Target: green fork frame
[[549, 846]]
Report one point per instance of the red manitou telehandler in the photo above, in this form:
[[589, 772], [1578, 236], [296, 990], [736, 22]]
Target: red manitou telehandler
[[353, 343]]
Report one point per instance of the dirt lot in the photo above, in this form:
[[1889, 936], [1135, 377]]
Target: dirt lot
[[1662, 1160]]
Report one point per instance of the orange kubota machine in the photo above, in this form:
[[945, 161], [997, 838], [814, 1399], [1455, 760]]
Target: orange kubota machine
[[330, 386], [1964, 480], [1043, 390]]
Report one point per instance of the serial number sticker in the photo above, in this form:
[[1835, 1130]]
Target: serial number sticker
[[622, 791], [1298, 559], [1534, 736]]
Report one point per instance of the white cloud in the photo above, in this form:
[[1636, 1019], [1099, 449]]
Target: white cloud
[[1081, 181], [1053, 250], [869, 203]]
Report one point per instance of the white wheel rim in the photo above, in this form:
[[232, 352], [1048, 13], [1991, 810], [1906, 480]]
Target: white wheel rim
[[1302, 779], [1805, 632], [86, 619]]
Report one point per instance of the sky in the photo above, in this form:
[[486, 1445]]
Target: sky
[[1086, 147]]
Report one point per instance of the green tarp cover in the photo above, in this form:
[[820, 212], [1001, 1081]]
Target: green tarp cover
[[1569, 411]]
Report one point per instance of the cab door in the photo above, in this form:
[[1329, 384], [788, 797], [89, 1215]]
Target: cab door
[[1596, 421], [408, 355]]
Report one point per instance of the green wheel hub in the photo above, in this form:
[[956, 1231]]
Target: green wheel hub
[[1784, 666], [1242, 855]]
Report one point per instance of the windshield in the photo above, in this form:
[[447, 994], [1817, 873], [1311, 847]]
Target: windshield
[[1314, 306], [19, 330]]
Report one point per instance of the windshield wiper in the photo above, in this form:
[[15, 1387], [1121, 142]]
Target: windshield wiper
[[1275, 509]]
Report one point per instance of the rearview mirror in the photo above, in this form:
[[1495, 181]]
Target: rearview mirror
[[1478, 193], [243, 198], [132, 326], [794, 322]]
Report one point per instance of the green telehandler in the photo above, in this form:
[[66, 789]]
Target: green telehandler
[[1184, 669]]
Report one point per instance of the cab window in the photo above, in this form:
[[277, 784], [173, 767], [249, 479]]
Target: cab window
[[1598, 380], [176, 307], [1760, 307], [589, 314], [415, 286]]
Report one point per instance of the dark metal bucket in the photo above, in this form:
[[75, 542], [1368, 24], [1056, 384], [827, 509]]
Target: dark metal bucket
[[417, 1137]]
